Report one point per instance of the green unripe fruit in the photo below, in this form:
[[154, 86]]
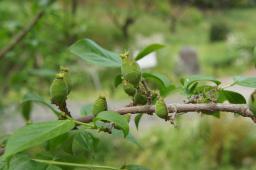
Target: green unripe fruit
[[140, 98], [66, 77], [161, 108], [129, 88], [130, 70], [252, 102], [127, 117], [58, 90], [100, 105]]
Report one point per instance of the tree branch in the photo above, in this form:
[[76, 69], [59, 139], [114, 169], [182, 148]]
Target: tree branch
[[20, 35], [241, 109], [179, 109]]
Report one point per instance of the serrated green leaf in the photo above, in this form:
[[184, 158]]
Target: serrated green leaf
[[150, 48], [36, 134], [118, 80], [91, 52], [245, 81], [35, 98], [233, 97], [86, 109], [116, 118], [137, 120]]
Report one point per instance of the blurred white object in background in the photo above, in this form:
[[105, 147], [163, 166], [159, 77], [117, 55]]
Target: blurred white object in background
[[148, 61]]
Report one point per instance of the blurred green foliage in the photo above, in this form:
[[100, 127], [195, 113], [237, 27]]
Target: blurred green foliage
[[225, 144], [218, 31], [33, 62]]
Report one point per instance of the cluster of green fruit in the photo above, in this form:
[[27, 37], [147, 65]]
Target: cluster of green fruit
[[132, 84], [134, 87], [132, 80]]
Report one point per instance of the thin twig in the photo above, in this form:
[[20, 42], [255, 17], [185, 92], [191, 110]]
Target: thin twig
[[20, 35], [241, 109]]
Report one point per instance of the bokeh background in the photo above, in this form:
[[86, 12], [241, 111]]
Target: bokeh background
[[216, 38]]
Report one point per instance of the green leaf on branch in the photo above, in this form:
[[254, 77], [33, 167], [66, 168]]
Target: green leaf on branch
[[192, 88], [35, 98], [26, 108], [137, 120], [245, 81], [84, 140], [119, 120], [91, 52], [129, 137], [118, 80], [147, 50], [188, 81], [161, 81], [157, 77], [233, 97], [36, 134]]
